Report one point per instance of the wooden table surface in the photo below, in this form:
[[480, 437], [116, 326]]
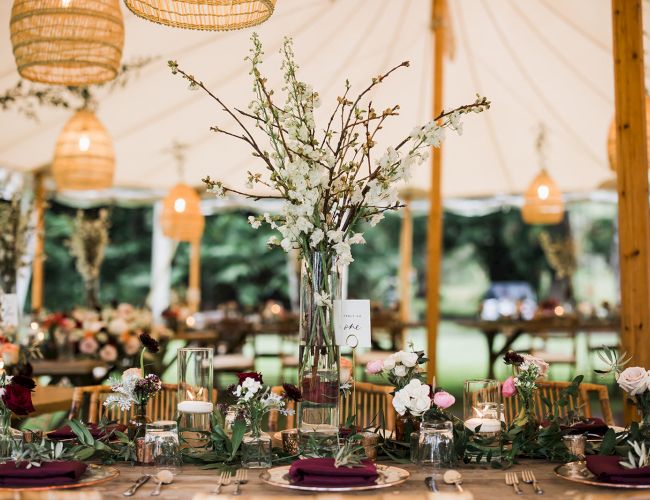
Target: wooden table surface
[[50, 398], [480, 482]]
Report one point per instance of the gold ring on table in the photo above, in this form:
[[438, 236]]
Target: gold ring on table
[[356, 340]]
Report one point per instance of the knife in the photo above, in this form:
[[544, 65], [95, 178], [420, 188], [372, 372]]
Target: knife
[[431, 484], [141, 480]]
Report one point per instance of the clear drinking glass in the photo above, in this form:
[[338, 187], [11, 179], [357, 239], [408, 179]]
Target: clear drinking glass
[[195, 405], [482, 410], [163, 437], [436, 446]]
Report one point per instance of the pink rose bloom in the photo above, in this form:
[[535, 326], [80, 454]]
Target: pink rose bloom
[[374, 367], [508, 389], [88, 345], [10, 353], [108, 353], [132, 372], [443, 399]]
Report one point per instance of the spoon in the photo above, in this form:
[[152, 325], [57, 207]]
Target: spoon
[[454, 477], [431, 484], [163, 477]]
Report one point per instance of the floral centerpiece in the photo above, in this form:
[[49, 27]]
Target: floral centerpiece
[[256, 400], [528, 370], [135, 387], [16, 399], [331, 180]]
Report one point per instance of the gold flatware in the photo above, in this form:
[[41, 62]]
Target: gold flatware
[[513, 480], [224, 480], [528, 477], [453, 477], [240, 478], [139, 482]]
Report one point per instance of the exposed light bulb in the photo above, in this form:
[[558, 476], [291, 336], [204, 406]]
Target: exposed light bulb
[[84, 143], [543, 192], [65, 3], [179, 205]]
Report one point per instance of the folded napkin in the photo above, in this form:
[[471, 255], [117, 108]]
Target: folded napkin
[[607, 468], [595, 426], [96, 432], [321, 472], [48, 474]]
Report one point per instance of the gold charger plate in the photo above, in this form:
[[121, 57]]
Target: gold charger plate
[[579, 473], [95, 474], [388, 476]]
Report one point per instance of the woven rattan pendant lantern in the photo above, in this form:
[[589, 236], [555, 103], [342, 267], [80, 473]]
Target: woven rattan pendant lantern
[[213, 15], [543, 203], [181, 216], [67, 42], [611, 136], [83, 157]]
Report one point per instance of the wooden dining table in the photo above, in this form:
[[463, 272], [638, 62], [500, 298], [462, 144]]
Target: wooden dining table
[[479, 482], [51, 398]]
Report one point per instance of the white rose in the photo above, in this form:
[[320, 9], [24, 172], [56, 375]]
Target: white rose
[[634, 380], [409, 359], [401, 401], [389, 363], [420, 405], [400, 371]]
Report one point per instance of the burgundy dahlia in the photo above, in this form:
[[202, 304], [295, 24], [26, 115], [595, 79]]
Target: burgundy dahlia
[[149, 343], [292, 392], [512, 358], [254, 375]]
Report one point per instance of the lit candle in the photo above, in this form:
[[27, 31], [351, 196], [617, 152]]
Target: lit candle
[[487, 424], [195, 407]]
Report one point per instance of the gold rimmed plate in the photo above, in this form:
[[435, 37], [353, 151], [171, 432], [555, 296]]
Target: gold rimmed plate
[[94, 474], [578, 472], [388, 476]]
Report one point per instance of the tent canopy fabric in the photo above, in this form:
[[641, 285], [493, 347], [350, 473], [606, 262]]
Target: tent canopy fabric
[[539, 61]]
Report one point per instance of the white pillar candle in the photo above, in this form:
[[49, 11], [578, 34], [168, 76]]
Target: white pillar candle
[[195, 407], [487, 424]]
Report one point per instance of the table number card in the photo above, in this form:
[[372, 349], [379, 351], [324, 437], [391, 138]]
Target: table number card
[[352, 323]]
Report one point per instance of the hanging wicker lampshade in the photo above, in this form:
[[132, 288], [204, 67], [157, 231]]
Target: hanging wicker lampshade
[[543, 202], [67, 42], [83, 157], [181, 216], [213, 15], [611, 136]]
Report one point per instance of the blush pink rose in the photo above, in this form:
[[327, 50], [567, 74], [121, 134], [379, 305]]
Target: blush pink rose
[[88, 345], [374, 367], [443, 399], [509, 389]]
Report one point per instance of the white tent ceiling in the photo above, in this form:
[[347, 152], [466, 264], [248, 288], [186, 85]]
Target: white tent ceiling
[[537, 60]]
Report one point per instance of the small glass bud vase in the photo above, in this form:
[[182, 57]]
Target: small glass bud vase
[[256, 450], [7, 442], [436, 443], [195, 406]]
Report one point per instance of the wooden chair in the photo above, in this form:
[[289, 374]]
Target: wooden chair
[[91, 398], [369, 401], [552, 390]]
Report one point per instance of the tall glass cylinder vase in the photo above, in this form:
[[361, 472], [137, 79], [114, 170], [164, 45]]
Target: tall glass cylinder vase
[[7, 442], [195, 405], [9, 310], [483, 416], [318, 413]]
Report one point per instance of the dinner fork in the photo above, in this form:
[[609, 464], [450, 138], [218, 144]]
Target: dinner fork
[[513, 480], [224, 480], [240, 478], [528, 477]]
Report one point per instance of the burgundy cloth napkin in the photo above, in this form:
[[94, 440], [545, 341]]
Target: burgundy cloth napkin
[[65, 432], [48, 474], [607, 468], [321, 472], [595, 426]]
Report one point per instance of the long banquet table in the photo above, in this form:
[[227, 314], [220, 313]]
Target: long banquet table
[[482, 482]]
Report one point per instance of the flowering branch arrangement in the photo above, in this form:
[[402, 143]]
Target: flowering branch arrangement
[[87, 246], [399, 368], [134, 386], [16, 230], [528, 370], [257, 400]]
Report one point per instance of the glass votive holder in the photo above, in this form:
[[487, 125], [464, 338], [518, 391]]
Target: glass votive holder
[[290, 441], [195, 406], [436, 444], [163, 436], [143, 452], [370, 443], [576, 444]]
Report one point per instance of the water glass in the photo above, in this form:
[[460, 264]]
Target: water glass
[[436, 446], [162, 436], [195, 405], [483, 410]]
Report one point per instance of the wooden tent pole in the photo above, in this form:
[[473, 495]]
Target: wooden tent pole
[[194, 286], [632, 181], [39, 247], [406, 262], [434, 225]]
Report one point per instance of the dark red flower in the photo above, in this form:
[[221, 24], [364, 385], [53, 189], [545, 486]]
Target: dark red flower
[[292, 392], [149, 343], [254, 375], [512, 358], [18, 399], [24, 381]]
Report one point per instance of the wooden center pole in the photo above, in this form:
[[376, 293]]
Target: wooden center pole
[[194, 286], [434, 224], [632, 181], [406, 262], [39, 245]]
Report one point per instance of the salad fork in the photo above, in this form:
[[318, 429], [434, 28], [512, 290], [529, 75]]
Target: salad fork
[[240, 478], [224, 480], [513, 480], [528, 477]]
